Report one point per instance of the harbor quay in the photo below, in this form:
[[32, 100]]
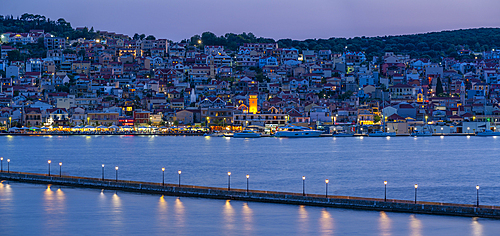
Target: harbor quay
[[324, 200]]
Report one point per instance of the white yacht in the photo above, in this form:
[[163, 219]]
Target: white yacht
[[246, 134], [488, 133], [382, 134], [214, 134], [292, 131]]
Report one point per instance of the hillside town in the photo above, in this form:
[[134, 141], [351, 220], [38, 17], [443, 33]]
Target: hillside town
[[118, 81]]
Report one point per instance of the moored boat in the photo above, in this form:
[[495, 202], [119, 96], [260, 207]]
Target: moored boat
[[343, 135], [382, 134], [292, 131], [215, 134], [246, 134], [421, 134], [488, 133]]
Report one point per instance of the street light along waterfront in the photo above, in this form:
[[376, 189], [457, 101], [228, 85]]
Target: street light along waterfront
[[1, 164], [228, 181], [303, 185], [116, 168], [179, 177], [385, 191], [477, 195], [8, 165], [60, 169], [416, 186], [326, 191], [102, 172], [163, 174], [49, 166], [248, 176]]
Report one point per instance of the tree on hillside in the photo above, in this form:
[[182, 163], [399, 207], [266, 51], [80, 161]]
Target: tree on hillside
[[14, 55], [439, 87]]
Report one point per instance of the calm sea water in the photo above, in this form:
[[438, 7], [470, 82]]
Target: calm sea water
[[447, 169], [28, 209]]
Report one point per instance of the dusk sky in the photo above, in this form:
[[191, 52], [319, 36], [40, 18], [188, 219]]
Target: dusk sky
[[296, 19]]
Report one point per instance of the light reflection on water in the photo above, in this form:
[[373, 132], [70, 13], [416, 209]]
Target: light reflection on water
[[116, 213], [6, 201], [54, 207], [247, 217], [180, 213], [162, 219], [415, 226], [229, 217], [384, 224], [326, 222], [477, 228], [303, 220]]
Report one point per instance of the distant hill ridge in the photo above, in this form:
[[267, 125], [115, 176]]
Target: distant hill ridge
[[432, 45]]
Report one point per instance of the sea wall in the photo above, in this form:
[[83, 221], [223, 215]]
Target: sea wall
[[262, 196]]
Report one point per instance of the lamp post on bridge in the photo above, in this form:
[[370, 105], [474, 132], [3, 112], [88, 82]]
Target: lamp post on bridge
[[248, 176], [179, 177], [385, 191], [303, 185], [116, 169], [49, 166], [163, 173], [416, 186], [326, 188], [477, 195]]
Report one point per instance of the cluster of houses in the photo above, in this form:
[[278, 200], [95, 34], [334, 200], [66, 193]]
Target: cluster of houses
[[115, 80]]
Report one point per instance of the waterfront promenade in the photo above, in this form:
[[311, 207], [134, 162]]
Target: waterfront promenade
[[197, 134], [348, 202]]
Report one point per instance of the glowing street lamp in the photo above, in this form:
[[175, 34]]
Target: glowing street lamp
[[385, 191], [326, 183], [8, 165], [116, 170], [228, 181], [416, 186], [248, 176], [477, 195], [49, 166], [303, 185], [10, 122], [179, 177], [102, 172], [1, 164], [163, 173], [60, 169]]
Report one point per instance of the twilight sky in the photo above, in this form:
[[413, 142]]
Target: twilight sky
[[296, 19]]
